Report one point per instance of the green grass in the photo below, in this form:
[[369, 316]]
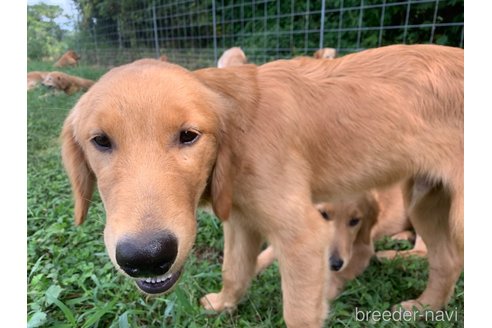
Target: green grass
[[71, 282]]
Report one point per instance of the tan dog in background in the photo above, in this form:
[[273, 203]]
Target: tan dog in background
[[325, 53], [263, 143], [34, 78], [69, 58], [232, 57], [67, 83]]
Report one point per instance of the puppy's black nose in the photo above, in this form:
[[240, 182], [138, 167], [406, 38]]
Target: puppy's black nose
[[147, 255], [336, 263]]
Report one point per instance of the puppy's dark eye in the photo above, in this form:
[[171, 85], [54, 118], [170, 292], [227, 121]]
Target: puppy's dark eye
[[188, 137], [353, 222], [325, 215], [102, 142]]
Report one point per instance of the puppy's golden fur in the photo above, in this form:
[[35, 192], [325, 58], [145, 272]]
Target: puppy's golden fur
[[354, 224], [325, 53], [232, 57], [394, 222], [268, 142], [69, 58], [348, 223], [35, 78], [67, 83]]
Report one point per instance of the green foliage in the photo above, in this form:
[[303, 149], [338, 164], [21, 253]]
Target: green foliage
[[72, 283], [44, 35]]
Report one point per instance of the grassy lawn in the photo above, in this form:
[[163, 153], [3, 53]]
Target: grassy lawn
[[71, 282]]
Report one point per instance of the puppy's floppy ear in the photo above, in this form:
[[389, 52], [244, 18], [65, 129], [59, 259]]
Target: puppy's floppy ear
[[372, 208], [81, 176], [235, 96], [222, 183]]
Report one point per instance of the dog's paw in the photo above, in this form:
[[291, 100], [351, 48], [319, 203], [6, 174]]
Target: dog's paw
[[214, 302]]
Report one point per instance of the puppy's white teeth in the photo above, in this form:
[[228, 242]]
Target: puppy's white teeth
[[155, 280]]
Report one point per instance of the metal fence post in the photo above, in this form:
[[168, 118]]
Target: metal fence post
[[95, 42], [434, 22], [381, 24], [156, 37], [322, 26], [340, 20], [120, 40], [359, 29], [462, 36], [406, 23], [214, 19]]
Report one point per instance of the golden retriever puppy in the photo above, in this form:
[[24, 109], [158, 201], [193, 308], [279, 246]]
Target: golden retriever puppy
[[263, 143], [354, 224], [325, 53], [69, 58], [232, 57], [351, 247], [67, 83], [34, 78], [348, 224]]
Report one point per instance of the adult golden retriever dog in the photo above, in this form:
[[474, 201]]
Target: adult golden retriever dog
[[66, 82], [69, 58], [263, 144]]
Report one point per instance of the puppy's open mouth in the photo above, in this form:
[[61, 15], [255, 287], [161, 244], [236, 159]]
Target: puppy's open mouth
[[158, 285]]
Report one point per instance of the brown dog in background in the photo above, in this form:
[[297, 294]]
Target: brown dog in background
[[232, 57], [69, 58], [263, 143], [325, 53], [67, 83]]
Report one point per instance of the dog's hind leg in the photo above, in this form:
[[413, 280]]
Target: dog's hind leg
[[265, 259], [436, 212], [241, 248]]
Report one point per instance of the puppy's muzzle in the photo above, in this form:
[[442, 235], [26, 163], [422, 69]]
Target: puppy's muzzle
[[149, 257], [336, 263]]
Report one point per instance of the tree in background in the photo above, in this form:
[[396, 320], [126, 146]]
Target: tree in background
[[44, 35]]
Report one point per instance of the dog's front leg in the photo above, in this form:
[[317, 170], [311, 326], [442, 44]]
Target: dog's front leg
[[303, 264], [241, 247]]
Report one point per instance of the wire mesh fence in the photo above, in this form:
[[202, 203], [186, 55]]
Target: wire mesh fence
[[195, 33]]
